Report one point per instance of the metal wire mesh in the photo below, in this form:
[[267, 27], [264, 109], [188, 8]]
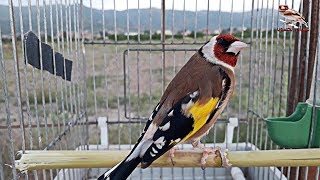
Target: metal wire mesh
[[124, 54]]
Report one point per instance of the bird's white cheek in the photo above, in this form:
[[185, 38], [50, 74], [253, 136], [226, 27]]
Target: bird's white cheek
[[165, 127]]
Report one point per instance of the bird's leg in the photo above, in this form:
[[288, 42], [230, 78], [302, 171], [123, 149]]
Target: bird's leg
[[207, 151], [171, 153]]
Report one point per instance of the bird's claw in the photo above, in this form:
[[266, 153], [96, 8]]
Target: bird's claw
[[216, 153], [224, 160], [205, 154]]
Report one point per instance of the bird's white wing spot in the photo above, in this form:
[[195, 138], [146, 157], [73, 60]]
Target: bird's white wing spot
[[186, 107], [157, 108], [165, 127], [159, 146], [152, 155], [171, 113], [177, 140], [150, 118], [194, 94], [160, 142], [154, 150]]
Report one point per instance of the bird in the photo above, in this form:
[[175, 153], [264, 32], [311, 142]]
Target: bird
[[189, 106], [292, 15]]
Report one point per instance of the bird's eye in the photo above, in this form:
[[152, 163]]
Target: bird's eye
[[220, 41]]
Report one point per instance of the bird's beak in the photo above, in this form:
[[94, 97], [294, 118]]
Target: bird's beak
[[236, 47]]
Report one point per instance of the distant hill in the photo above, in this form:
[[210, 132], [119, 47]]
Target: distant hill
[[133, 19]]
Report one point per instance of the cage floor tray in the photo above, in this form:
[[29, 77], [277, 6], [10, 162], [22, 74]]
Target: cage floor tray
[[294, 131]]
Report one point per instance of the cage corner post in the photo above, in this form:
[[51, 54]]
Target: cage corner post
[[298, 88]]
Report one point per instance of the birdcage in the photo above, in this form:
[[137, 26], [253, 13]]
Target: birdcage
[[83, 76]]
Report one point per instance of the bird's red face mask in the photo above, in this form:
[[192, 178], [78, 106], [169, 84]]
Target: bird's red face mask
[[283, 7], [227, 48]]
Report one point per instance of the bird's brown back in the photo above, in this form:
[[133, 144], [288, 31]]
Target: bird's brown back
[[196, 74]]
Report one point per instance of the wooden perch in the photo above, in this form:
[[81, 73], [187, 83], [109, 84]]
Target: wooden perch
[[35, 160]]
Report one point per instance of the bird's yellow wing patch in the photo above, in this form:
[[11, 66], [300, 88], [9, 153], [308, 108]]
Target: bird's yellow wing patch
[[200, 114]]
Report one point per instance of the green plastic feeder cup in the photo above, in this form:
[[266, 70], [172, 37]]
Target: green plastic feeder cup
[[294, 131]]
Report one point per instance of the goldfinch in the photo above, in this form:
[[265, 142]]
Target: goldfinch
[[292, 15], [189, 106]]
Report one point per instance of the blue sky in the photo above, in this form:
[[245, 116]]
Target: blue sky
[[178, 4]]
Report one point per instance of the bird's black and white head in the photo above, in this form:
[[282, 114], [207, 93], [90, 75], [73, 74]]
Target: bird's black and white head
[[223, 49]]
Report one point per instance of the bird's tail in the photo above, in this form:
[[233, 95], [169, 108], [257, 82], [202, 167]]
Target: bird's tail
[[122, 170]]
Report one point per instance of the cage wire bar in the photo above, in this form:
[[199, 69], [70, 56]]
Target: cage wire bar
[[124, 57]]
